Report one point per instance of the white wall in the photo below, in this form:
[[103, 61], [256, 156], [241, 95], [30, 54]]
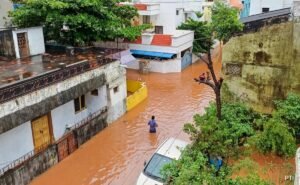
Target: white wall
[[168, 66], [37, 96], [165, 66], [65, 114], [163, 49], [257, 5], [167, 16], [5, 6], [15, 143], [117, 100], [180, 17], [35, 40]]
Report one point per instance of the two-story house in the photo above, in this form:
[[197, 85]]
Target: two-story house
[[163, 47], [52, 103]]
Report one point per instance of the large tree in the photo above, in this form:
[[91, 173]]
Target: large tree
[[225, 23], [212, 138], [78, 22]]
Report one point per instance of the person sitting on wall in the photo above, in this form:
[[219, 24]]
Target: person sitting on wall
[[202, 77]]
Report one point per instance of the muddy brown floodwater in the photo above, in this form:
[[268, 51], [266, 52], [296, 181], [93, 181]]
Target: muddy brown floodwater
[[116, 155]]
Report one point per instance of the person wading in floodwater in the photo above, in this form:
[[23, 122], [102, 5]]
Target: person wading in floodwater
[[152, 123]]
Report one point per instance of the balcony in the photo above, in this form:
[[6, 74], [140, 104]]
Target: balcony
[[147, 9], [181, 37], [144, 8], [174, 43]]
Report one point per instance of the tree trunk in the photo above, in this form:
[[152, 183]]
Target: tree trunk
[[218, 84], [218, 102]]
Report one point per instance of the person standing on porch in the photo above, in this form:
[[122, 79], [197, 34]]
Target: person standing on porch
[[152, 123]]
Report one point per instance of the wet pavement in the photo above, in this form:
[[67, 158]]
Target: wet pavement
[[116, 155], [12, 70]]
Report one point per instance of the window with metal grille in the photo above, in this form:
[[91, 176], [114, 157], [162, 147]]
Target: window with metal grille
[[233, 69], [146, 19]]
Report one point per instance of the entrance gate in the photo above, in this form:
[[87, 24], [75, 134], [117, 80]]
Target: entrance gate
[[66, 146]]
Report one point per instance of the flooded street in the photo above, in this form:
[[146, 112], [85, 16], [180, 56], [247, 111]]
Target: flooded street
[[116, 155]]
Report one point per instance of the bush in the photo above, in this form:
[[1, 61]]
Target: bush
[[193, 168], [289, 111], [222, 138], [276, 138], [213, 137]]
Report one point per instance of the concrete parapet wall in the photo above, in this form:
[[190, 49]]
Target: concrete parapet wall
[[39, 163], [140, 93], [167, 66], [35, 166], [87, 131]]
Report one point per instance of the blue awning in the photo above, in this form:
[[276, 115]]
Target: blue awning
[[152, 54]]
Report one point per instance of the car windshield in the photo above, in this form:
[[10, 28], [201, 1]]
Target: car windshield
[[155, 165]]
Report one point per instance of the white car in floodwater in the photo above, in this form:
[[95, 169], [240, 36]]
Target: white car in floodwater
[[169, 150]]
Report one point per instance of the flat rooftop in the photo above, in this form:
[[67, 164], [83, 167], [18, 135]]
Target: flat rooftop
[[14, 70], [267, 15]]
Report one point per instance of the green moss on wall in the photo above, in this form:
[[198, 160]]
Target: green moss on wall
[[270, 64]]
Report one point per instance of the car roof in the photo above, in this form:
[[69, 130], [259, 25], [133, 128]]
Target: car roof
[[172, 148]]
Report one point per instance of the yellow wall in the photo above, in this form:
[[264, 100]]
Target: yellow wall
[[140, 93]]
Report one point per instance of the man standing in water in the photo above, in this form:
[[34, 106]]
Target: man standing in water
[[152, 123]]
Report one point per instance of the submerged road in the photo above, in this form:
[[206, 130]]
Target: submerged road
[[116, 155]]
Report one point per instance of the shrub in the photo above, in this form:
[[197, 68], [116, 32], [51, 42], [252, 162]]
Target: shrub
[[222, 138], [289, 111], [276, 138]]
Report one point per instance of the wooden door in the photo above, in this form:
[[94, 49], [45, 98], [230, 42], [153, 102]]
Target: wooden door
[[41, 132], [23, 44]]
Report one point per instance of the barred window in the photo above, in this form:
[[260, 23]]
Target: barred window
[[233, 69]]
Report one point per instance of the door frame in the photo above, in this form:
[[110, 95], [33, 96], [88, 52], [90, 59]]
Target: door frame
[[27, 43]]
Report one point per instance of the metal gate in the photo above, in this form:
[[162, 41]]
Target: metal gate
[[66, 146], [186, 60]]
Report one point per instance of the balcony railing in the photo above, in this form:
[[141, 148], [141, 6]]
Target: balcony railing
[[148, 9]]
